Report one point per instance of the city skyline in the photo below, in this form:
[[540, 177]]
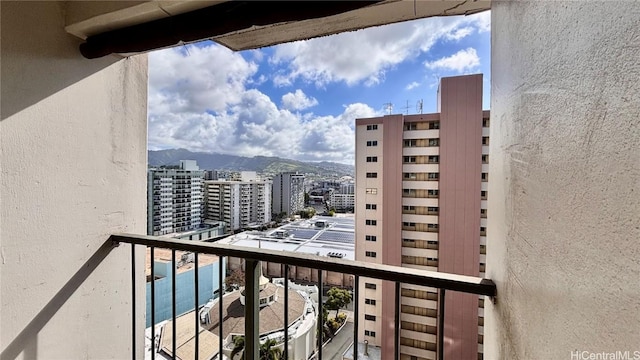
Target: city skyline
[[300, 100]]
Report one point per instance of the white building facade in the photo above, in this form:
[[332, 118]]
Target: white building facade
[[288, 193], [240, 204], [175, 200]]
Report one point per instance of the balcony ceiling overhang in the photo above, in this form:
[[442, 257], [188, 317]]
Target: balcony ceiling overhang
[[133, 27]]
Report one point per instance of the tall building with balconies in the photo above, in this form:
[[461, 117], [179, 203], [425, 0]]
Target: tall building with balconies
[[240, 204], [175, 199], [288, 193], [421, 183]]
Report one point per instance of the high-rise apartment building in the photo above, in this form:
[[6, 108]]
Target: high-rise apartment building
[[421, 185], [240, 204], [175, 199], [288, 193]]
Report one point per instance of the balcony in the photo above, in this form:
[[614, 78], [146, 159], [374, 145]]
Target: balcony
[[558, 201], [252, 258]]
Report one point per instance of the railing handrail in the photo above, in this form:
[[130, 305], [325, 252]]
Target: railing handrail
[[441, 280]]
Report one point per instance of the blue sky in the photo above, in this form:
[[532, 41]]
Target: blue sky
[[299, 100]]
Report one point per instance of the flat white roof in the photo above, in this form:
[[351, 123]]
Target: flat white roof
[[303, 236]]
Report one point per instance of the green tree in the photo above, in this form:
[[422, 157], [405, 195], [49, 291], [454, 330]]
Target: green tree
[[307, 213], [235, 279], [338, 299], [269, 351], [238, 347]]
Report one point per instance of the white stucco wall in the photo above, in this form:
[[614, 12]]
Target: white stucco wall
[[564, 203], [73, 169]]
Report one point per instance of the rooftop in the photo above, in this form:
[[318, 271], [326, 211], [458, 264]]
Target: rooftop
[[337, 237], [270, 316], [164, 255], [185, 339]]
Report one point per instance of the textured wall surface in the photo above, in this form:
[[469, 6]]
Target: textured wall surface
[[564, 204], [73, 154]]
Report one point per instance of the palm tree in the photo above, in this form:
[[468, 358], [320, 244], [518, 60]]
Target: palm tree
[[238, 346], [268, 351]]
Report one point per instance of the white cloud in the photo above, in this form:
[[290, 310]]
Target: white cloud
[[298, 101], [483, 21], [460, 62], [202, 107], [459, 33], [200, 96], [365, 56], [191, 79], [412, 85]]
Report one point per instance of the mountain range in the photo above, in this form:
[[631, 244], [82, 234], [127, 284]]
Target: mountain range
[[262, 164]]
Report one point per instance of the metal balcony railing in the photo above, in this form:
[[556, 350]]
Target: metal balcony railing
[[253, 257]]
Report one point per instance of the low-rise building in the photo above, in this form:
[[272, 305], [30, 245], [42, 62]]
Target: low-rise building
[[321, 235]]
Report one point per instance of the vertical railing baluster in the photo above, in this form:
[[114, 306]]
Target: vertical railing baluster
[[252, 310], [356, 294], [320, 318], [153, 305], [173, 301], [441, 325], [396, 327], [221, 289], [133, 301], [197, 304], [286, 312]]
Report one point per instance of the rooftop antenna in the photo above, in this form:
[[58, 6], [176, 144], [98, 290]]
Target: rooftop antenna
[[419, 106], [406, 108], [388, 107]]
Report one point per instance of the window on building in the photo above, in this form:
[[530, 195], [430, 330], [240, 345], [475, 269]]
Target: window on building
[[432, 209], [370, 301], [369, 286], [434, 142], [409, 192], [372, 127], [372, 175], [434, 125], [485, 177], [410, 126], [485, 122], [371, 222], [483, 195], [370, 238], [485, 159], [369, 317], [485, 140], [410, 176], [371, 206], [432, 193], [372, 143], [408, 159], [372, 191], [432, 226], [434, 159], [372, 159], [410, 143], [408, 208], [483, 213], [370, 254], [369, 333], [432, 176]]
